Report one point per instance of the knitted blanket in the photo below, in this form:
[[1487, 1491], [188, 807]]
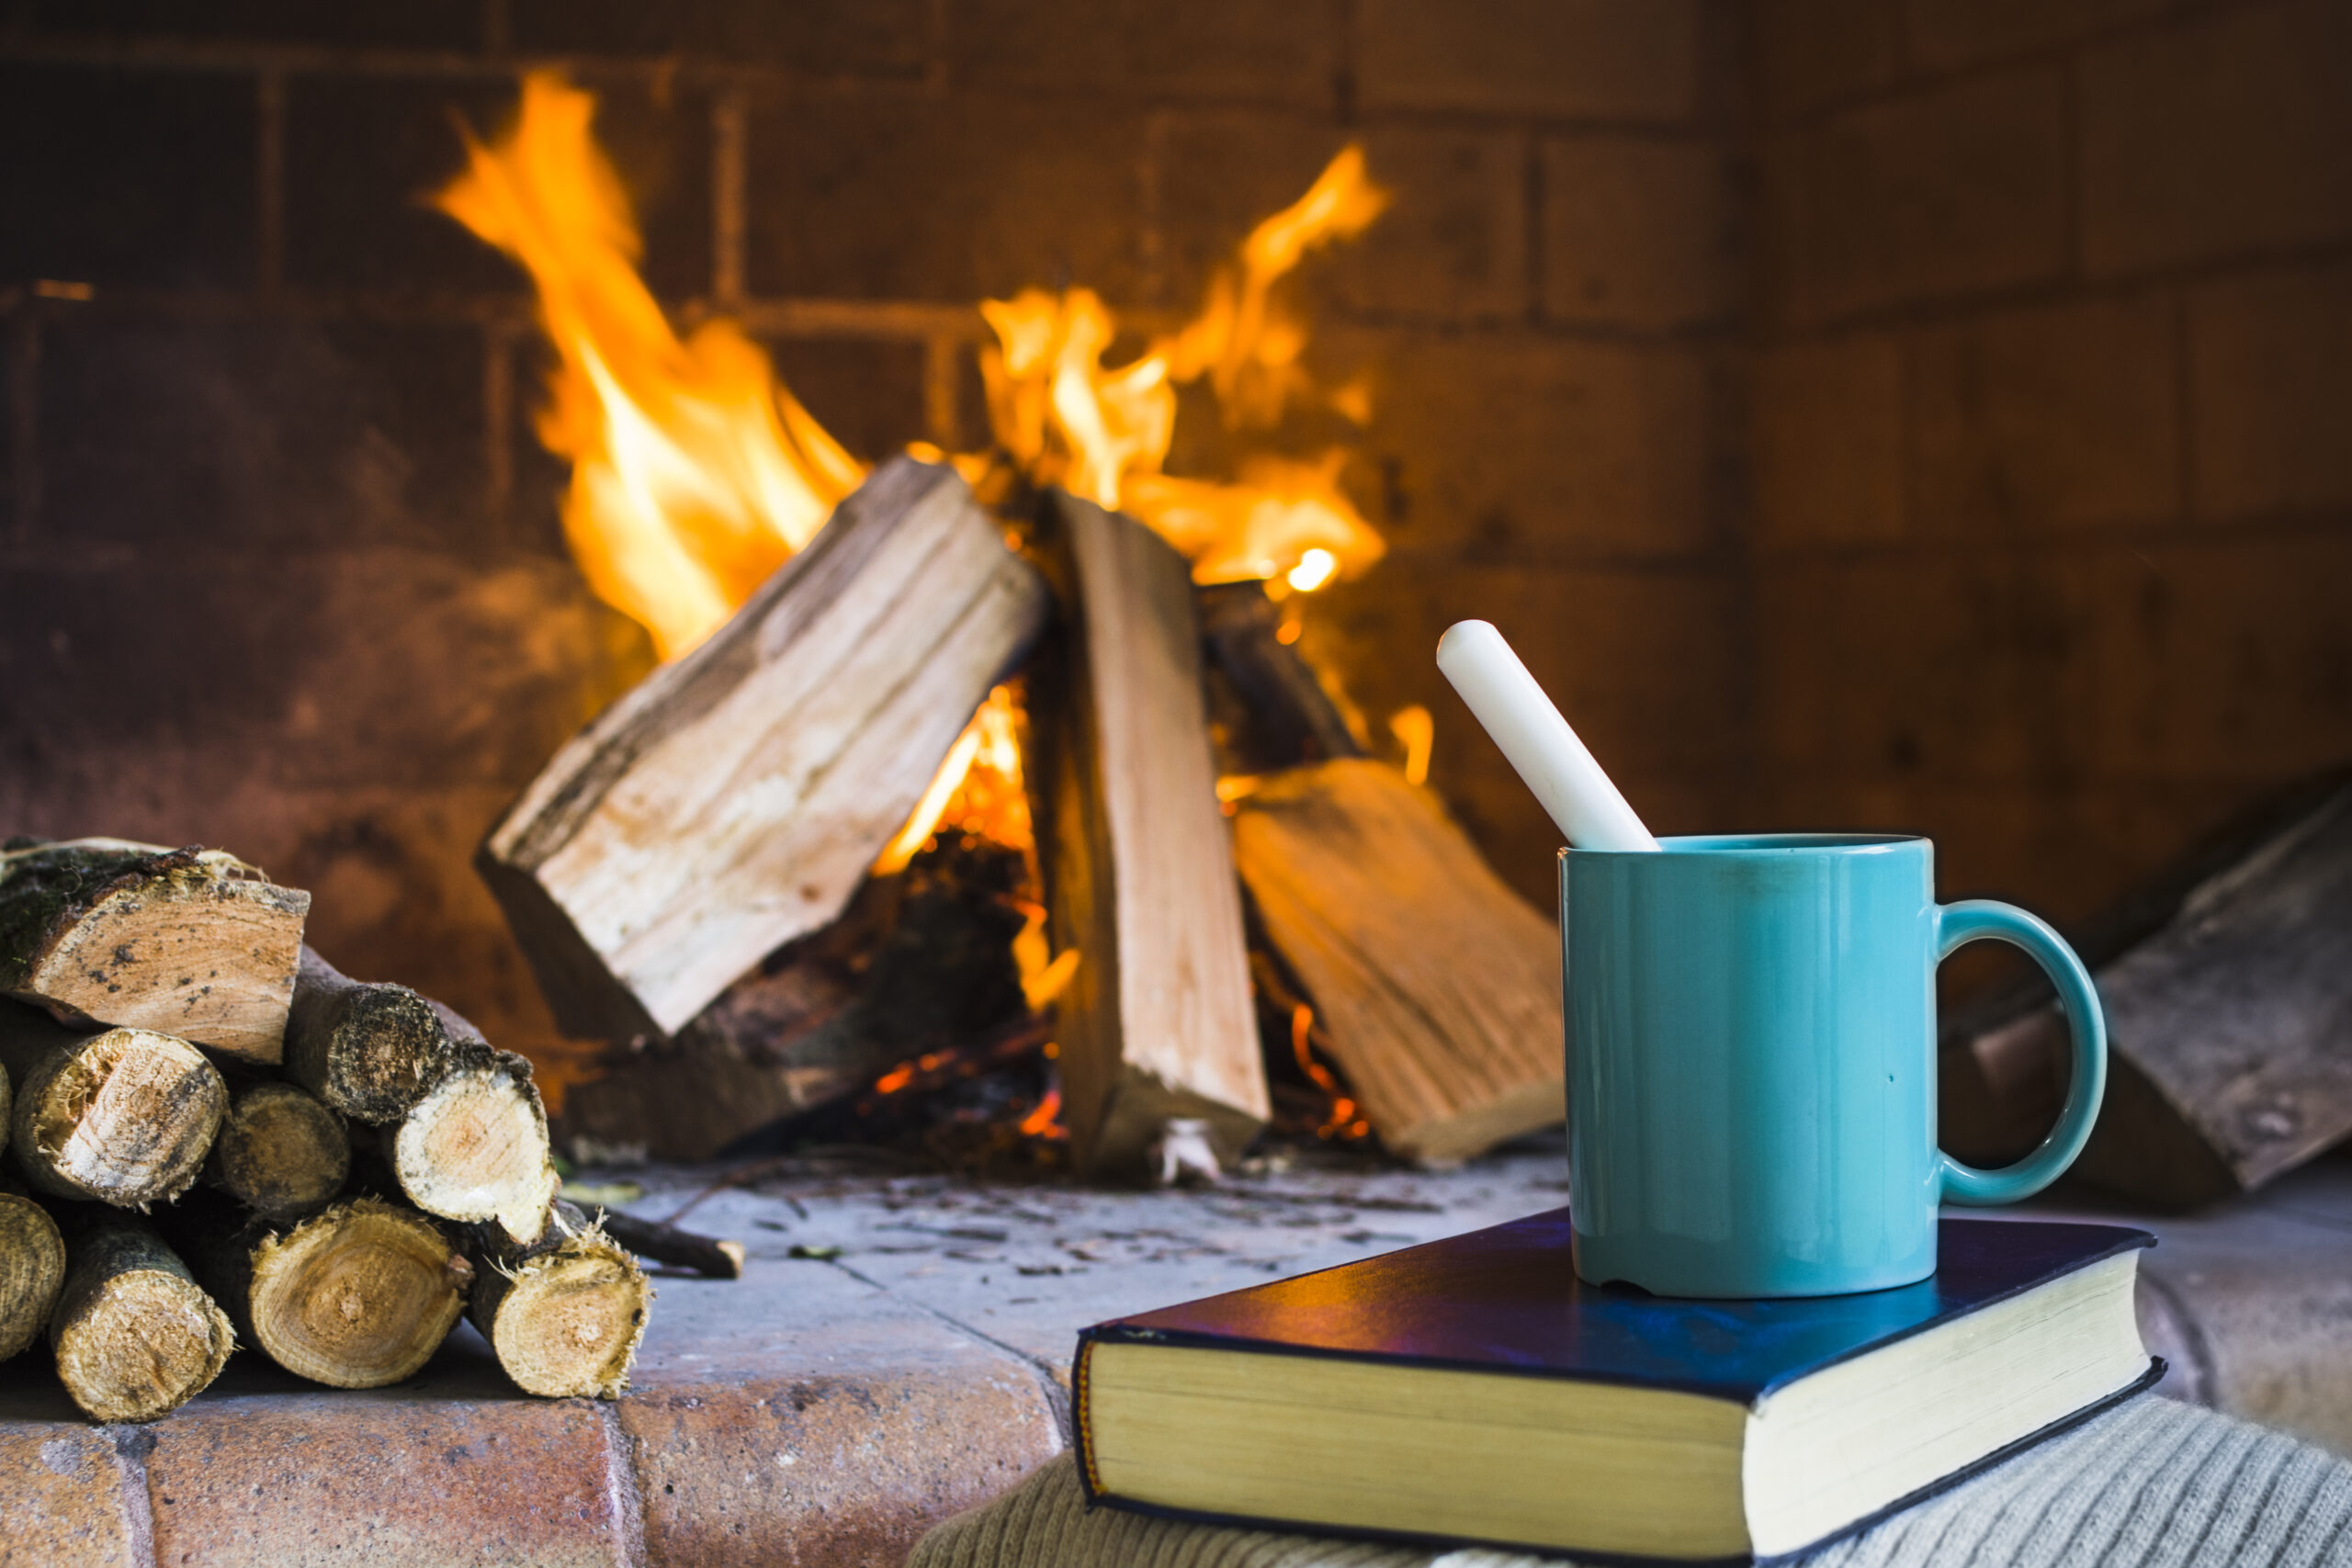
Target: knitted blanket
[[2150, 1483]]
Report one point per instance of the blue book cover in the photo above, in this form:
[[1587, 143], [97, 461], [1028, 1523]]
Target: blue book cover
[[1505, 1300]]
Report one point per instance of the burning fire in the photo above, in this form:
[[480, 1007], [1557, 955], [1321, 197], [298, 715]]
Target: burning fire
[[1064, 418], [695, 473]]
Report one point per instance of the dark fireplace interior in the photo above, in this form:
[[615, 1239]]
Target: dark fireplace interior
[[1925, 415]]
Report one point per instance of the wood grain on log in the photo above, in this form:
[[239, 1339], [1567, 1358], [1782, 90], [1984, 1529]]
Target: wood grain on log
[[357, 1296], [135, 1336], [476, 1148], [736, 797], [565, 1315], [279, 1152], [32, 1270], [1437, 988], [182, 942], [2226, 1024], [369, 1051], [124, 1116], [1156, 1022]]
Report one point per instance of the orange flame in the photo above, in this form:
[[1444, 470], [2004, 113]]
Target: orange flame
[[1343, 1121], [1104, 433], [1045, 1121], [694, 473]]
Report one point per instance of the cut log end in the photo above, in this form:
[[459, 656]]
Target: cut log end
[[566, 1323], [369, 1051], [124, 1117], [32, 1271], [476, 1149], [280, 1153], [357, 1297], [134, 1334], [183, 943]]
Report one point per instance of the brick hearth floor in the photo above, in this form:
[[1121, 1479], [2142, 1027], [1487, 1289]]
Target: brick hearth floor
[[825, 1409]]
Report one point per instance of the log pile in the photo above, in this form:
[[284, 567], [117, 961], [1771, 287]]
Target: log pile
[[696, 881], [326, 1170]]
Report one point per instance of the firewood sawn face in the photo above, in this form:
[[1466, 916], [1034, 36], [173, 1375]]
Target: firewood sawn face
[[369, 1051], [32, 1271], [736, 796], [1438, 988], [187, 943], [565, 1315], [124, 1116], [1156, 1022], [134, 1334], [279, 1152]]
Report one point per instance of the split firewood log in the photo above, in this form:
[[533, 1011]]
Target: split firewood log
[[475, 1148], [357, 1296], [1156, 1024], [279, 1152], [736, 798], [2226, 982], [565, 1313], [1437, 989], [32, 1271], [135, 1336], [707, 1256], [369, 1051], [124, 1116], [190, 942]]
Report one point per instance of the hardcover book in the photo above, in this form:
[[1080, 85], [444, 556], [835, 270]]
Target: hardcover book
[[1474, 1390]]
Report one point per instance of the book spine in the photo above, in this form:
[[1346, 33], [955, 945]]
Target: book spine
[[1081, 1415]]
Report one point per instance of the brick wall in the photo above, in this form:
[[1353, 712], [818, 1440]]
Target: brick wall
[[279, 546], [2051, 435]]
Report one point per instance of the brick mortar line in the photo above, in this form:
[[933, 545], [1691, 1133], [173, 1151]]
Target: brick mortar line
[[2053, 291], [2061, 541], [1050, 1386], [131, 1445], [624, 1497], [1913, 81]]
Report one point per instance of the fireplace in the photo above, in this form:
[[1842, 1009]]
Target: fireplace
[[1920, 421]]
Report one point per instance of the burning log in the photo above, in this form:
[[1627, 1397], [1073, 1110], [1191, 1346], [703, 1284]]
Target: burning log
[[280, 1153], [190, 942], [2226, 985], [475, 1148], [736, 798], [124, 1116], [369, 1051], [1156, 1024], [135, 1336], [1437, 989], [1267, 708], [707, 1256], [32, 1270], [564, 1314], [358, 1296]]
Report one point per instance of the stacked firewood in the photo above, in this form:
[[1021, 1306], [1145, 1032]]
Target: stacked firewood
[[216, 1138]]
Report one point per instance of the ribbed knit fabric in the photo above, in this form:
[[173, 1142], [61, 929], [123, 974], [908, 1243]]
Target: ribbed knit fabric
[[2150, 1484]]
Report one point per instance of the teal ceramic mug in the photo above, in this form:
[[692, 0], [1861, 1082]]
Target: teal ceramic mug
[[1751, 1028]]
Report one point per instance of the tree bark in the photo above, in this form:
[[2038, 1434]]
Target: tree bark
[[1437, 989], [124, 1116], [32, 1270], [187, 943], [369, 1051], [280, 1153], [358, 1296], [565, 1315], [736, 798], [707, 1256], [135, 1336], [1156, 1024]]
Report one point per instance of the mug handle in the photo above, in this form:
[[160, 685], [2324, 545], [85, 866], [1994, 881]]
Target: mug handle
[[1974, 920]]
